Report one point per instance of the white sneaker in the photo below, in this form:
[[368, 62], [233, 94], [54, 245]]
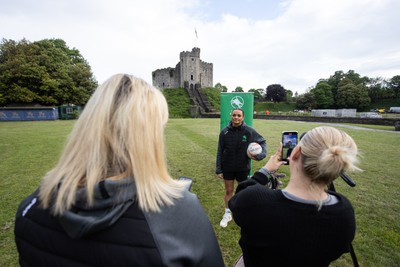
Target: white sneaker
[[227, 218]]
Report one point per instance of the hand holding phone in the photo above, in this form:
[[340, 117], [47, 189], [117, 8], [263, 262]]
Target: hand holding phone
[[289, 141], [274, 162]]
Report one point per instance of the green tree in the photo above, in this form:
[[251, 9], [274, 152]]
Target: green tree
[[339, 76], [257, 94], [289, 95], [45, 72], [334, 81], [275, 93], [323, 95], [238, 89], [377, 89], [394, 85], [221, 87], [352, 96], [306, 101], [356, 78]]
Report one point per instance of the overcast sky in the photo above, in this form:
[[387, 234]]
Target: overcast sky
[[251, 43]]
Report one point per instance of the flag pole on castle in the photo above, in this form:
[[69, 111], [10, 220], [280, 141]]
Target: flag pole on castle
[[195, 41]]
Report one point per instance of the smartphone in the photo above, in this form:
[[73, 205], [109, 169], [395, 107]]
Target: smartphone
[[190, 181], [289, 141]]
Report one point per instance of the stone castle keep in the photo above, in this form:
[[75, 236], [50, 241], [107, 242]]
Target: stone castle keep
[[190, 73]]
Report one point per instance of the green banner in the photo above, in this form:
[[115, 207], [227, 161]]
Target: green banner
[[230, 101]]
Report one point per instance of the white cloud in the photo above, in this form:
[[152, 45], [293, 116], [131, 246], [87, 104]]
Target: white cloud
[[295, 44]]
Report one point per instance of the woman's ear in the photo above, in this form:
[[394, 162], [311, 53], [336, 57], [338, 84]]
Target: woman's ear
[[295, 153]]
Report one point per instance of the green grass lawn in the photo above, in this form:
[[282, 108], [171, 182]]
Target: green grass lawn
[[29, 149]]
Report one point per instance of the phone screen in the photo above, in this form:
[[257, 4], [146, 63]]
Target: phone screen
[[289, 141]]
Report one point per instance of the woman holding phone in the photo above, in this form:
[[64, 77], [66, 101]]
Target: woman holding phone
[[315, 226]]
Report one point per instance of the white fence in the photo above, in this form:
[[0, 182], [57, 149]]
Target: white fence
[[334, 112]]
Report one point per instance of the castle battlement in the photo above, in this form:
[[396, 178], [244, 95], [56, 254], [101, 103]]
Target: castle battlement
[[194, 53], [168, 68]]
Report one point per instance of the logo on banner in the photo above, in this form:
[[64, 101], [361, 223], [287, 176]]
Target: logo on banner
[[237, 102]]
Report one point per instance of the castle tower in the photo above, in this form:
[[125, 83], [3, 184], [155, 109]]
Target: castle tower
[[190, 72], [190, 68]]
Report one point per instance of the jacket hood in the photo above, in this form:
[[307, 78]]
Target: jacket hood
[[111, 200]]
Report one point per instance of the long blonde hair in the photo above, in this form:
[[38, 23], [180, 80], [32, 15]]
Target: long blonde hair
[[326, 152], [120, 133]]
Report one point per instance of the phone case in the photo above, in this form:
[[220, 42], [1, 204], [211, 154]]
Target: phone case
[[289, 141]]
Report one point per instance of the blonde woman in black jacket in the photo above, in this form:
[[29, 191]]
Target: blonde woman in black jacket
[[110, 200]]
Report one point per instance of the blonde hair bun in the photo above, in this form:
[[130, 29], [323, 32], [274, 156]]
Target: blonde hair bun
[[326, 152]]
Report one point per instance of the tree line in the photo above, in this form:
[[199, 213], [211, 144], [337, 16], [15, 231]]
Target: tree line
[[45, 72], [349, 90], [340, 90]]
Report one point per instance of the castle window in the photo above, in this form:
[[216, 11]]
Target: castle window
[[191, 77]]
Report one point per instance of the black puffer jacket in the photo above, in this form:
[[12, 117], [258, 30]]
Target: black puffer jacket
[[232, 148], [115, 232]]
